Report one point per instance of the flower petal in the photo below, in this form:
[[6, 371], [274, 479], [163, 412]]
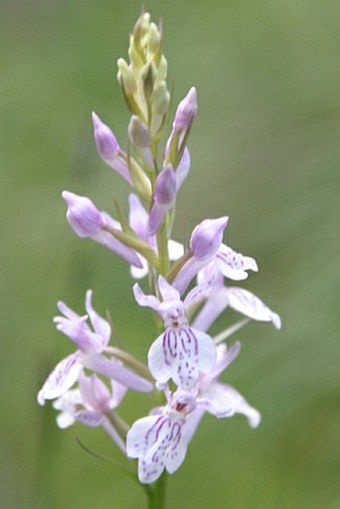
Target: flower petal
[[64, 375], [234, 265], [90, 418], [180, 353], [224, 401], [114, 369], [160, 367], [169, 293], [101, 326], [149, 301], [249, 305]]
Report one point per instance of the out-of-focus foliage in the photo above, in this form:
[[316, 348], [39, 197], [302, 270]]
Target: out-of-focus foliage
[[265, 151]]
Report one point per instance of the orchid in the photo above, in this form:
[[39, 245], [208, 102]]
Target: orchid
[[158, 440], [206, 247], [91, 404], [91, 346], [180, 352]]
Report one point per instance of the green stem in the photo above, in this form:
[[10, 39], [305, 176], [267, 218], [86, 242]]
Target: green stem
[[157, 495]]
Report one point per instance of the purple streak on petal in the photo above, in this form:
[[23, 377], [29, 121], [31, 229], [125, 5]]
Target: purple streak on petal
[[64, 375], [234, 265]]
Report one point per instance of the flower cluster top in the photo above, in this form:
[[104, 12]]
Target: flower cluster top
[[188, 287]]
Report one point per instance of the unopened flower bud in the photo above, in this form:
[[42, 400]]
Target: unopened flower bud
[[138, 133], [165, 191], [207, 237], [186, 111], [106, 141], [154, 39], [82, 215], [126, 75], [165, 195], [161, 98]]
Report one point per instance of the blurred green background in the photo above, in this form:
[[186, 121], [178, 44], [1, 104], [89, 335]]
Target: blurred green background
[[265, 151]]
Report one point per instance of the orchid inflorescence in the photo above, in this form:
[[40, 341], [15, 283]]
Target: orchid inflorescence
[[187, 286]]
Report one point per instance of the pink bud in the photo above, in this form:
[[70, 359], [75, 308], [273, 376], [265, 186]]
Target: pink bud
[[207, 237], [186, 111], [165, 191], [106, 141], [82, 215]]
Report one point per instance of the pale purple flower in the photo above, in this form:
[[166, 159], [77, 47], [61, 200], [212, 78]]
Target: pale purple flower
[[219, 297], [181, 352], [109, 149], [218, 399], [138, 220], [158, 440], [91, 344], [206, 246], [89, 405], [87, 221]]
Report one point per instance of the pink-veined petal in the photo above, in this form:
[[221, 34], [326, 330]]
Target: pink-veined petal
[[176, 456], [234, 265], [180, 353], [135, 439], [160, 367], [64, 375], [249, 305]]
